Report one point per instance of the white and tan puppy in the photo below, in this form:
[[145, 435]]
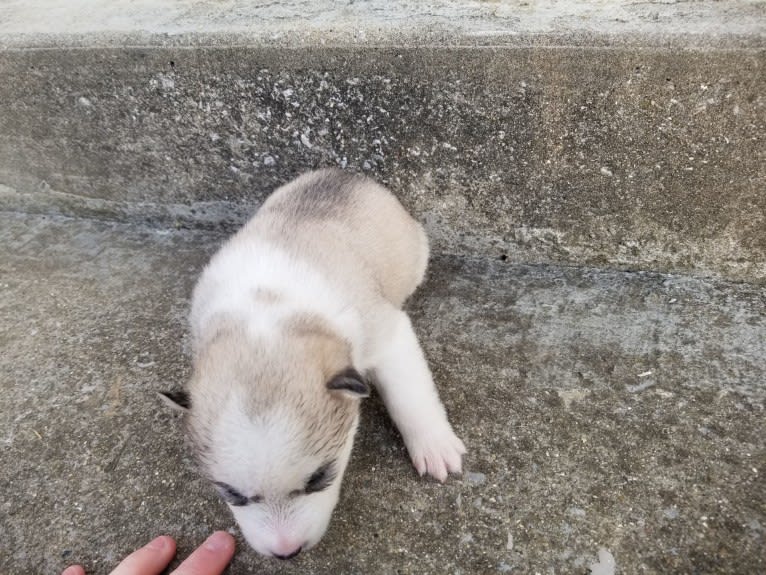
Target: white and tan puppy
[[286, 320]]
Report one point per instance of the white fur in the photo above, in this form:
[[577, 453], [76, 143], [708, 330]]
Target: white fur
[[404, 379], [356, 289], [234, 274], [408, 390], [281, 523]]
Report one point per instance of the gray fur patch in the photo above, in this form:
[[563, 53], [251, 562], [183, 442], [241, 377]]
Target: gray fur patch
[[322, 195]]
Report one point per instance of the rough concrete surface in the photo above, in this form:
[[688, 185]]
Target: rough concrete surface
[[649, 158], [604, 412], [610, 413], [92, 22]]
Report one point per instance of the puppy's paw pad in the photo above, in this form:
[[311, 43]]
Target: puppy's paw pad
[[437, 453]]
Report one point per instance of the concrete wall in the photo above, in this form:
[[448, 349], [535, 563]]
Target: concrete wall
[[626, 137]]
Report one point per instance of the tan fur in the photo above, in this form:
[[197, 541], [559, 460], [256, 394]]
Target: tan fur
[[363, 241], [266, 296], [289, 373], [361, 235], [286, 319]]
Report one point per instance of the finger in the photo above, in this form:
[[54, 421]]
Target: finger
[[73, 570], [210, 558], [151, 559]]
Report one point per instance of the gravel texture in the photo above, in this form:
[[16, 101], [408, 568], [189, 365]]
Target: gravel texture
[[604, 412]]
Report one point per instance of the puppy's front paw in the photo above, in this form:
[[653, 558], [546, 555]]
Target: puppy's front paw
[[437, 452]]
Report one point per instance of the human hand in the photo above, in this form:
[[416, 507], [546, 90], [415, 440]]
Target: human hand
[[210, 558]]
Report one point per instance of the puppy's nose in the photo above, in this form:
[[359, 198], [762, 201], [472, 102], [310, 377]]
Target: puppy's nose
[[289, 555]]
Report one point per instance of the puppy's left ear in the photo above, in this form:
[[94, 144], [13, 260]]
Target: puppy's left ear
[[350, 383], [176, 400]]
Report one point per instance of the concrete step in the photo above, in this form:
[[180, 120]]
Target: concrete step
[[592, 177], [602, 410], [623, 135]]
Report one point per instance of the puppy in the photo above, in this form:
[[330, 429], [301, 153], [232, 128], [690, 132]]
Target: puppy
[[286, 319]]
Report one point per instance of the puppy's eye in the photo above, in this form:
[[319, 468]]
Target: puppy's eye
[[321, 479], [234, 497]]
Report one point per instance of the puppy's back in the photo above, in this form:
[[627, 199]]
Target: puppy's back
[[351, 227]]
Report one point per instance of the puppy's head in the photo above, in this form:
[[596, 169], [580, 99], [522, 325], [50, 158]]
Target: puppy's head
[[272, 422]]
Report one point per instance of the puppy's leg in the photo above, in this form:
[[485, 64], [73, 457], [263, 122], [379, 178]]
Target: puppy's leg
[[408, 390]]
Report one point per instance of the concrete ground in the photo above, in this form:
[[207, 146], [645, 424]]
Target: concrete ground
[[591, 175], [603, 411]]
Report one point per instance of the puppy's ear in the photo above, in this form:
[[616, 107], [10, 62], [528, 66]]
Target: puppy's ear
[[177, 400], [350, 383]]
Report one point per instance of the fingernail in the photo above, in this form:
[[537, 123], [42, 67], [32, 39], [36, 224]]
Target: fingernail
[[159, 543], [218, 541]]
